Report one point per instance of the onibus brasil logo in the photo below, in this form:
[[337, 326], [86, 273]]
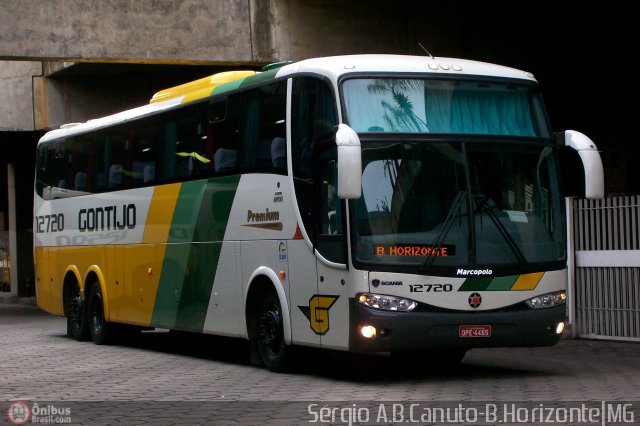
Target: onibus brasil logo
[[20, 413]]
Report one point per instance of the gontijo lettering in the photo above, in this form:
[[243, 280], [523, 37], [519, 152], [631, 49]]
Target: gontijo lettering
[[107, 218]]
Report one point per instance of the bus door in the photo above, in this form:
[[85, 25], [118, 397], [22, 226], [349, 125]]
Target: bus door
[[331, 306]]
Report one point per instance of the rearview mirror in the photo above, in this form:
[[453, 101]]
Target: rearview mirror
[[593, 170], [349, 163]]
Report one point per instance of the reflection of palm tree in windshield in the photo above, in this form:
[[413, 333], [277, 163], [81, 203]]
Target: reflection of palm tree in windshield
[[400, 115]]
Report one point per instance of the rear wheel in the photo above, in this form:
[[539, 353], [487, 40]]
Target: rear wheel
[[99, 328], [77, 326], [273, 350]]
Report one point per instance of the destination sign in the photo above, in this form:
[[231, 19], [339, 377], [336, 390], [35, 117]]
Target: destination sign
[[413, 250]]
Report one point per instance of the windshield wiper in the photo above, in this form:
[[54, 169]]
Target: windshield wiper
[[446, 226], [484, 206]]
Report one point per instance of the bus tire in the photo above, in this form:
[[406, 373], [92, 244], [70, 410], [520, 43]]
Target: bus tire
[[77, 324], [99, 328], [273, 350]]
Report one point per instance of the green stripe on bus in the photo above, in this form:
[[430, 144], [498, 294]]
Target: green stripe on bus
[[260, 77], [227, 87], [247, 81], [502, 283], [489, 283], [210, 225], [475, 284], [177, 254], [201, 217]]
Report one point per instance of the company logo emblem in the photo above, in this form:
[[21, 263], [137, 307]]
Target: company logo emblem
[[376, 283], [19, 413], [318, 312], [475, 300]]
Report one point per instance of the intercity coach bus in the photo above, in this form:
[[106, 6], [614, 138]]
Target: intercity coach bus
[[368, 203]]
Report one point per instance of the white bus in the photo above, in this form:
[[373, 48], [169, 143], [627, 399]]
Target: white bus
[[370, 203]]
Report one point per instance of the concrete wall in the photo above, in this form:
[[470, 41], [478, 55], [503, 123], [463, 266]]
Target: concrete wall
[[126, 30], [16, 90], [211, 32], [303, 29], [220, 31]]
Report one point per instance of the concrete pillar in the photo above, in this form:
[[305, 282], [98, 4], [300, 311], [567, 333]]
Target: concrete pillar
[[13, 236]]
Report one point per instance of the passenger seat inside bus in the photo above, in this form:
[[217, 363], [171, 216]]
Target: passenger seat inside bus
[[115, 175], [279, 153], [224, 160]]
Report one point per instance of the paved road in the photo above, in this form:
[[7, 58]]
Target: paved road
[[161, 378]]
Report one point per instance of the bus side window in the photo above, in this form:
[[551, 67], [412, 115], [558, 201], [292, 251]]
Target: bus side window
[[224, 133], [313, 118], [145, 152], [263, 132]]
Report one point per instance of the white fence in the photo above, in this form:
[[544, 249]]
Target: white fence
[[604, 267]]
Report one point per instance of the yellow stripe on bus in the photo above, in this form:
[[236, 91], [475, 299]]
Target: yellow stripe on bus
[[160, 214], [527, 281], [143, 262]]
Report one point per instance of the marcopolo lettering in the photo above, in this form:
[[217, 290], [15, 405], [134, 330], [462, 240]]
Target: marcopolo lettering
[[107, 218], [474, 271]]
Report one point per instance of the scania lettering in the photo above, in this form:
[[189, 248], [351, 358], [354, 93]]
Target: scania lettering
[[367, 203]]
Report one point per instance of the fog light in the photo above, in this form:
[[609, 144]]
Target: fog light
[[560, 328], [368, 331]]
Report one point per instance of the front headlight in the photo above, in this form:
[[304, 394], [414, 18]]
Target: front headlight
[[387, 303], [547, 300]]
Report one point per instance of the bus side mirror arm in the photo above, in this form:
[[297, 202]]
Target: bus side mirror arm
[[588, 151], [349, 163]]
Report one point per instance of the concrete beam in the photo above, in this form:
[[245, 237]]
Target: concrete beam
[[141, 31], [223, 32]]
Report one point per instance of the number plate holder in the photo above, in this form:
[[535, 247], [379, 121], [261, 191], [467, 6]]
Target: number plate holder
[[474, 331]]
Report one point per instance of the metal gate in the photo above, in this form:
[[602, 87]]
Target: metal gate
[[604, 267]]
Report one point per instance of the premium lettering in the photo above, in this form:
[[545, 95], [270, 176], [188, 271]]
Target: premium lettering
[[266, 216]]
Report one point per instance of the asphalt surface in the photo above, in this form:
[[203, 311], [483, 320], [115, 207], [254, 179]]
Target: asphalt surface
[[165, 378]]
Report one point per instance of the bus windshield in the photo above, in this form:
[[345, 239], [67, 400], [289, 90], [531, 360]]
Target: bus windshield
[[452, 204], [478, 107]]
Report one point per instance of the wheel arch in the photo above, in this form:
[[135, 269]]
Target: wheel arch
[[72, 276], [262, 281]]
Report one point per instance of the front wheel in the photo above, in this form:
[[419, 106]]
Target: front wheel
[[273, 350], [99, 328]]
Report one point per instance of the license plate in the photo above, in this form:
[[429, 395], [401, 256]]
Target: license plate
[[474, 331]]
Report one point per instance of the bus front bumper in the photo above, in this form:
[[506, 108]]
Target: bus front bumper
[[405, 331]]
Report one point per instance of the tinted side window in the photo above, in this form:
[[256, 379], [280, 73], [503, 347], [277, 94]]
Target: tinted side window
[[263, 128], [313, 121], [242, 133]]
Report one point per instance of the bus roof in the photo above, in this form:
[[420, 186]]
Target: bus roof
[[332, 67], [337, 66]]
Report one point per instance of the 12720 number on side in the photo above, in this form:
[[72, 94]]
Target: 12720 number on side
[[50, 223]]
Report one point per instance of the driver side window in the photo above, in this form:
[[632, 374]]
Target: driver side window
[[314, 119]]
